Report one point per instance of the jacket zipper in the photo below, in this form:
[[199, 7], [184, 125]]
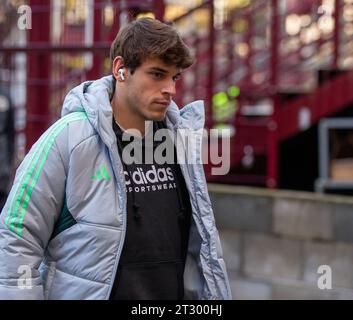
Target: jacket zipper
[[186, 171], [112, 154]]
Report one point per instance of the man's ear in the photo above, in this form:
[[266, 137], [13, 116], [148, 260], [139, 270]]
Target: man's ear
[[118, 64]]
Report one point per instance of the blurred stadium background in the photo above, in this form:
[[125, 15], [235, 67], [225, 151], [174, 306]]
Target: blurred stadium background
[[277, 73]]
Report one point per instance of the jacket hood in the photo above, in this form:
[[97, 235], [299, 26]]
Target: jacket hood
[[93, 97]]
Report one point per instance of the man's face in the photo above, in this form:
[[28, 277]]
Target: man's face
[[150, 88]]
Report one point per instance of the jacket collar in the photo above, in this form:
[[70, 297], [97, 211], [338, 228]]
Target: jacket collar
[[94, 98]]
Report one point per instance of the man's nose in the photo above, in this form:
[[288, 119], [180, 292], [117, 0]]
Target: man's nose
[[169, 88]]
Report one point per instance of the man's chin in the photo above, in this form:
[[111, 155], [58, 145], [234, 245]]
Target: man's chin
[[157, 117]]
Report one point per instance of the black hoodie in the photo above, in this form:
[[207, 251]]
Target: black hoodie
[[152, 262]]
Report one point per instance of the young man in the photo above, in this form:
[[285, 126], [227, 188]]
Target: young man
[[82, 223]]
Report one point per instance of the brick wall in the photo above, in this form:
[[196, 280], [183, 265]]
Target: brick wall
[[274, 242]]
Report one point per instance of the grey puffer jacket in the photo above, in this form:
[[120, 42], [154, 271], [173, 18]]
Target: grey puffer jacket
[[62, 232]]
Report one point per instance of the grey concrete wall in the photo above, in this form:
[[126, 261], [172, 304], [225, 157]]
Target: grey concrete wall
[[275, 241]]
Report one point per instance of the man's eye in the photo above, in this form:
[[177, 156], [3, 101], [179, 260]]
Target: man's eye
[[176, 78], [157, 75]]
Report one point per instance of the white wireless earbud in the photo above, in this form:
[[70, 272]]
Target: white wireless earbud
[[121, 74]]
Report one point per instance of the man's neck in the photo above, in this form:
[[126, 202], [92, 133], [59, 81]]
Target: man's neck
[[127, 119]]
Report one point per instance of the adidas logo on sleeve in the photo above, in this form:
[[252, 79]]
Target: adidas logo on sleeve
[[101, 174]]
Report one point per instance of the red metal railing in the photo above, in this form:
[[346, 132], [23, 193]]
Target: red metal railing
[[249, 47], [254, 51]]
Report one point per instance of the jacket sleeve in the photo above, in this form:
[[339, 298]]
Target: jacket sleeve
[[28, 218]]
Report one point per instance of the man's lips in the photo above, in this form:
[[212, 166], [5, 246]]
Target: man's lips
[[163, 102]]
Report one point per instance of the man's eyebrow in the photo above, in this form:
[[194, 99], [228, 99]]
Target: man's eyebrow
[[163, 70], [158, 69]]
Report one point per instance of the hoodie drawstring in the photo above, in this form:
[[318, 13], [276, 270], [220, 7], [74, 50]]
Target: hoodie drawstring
[[182, 209], [135, 205]]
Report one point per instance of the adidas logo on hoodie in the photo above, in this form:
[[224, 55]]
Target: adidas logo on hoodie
[[150, 180]]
